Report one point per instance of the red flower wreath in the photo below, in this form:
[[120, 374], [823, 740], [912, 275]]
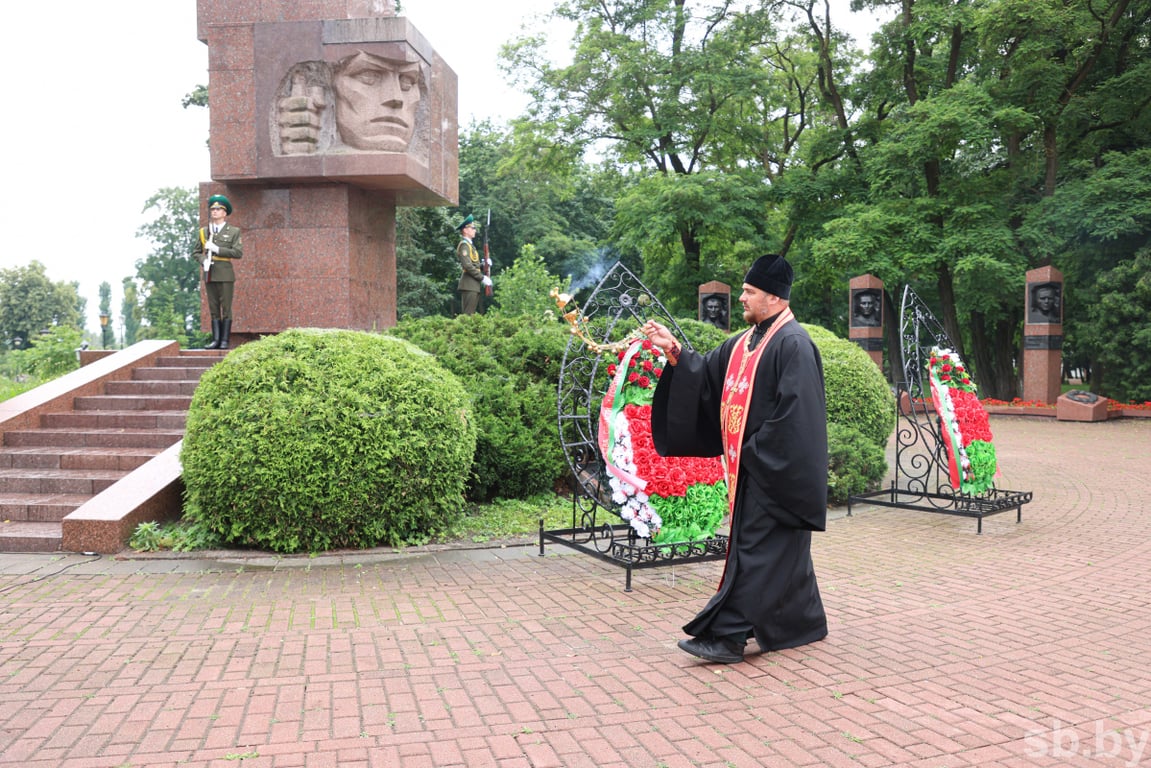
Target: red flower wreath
[[966, 428]]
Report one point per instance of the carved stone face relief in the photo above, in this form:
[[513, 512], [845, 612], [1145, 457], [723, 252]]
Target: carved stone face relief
[[376, 101]]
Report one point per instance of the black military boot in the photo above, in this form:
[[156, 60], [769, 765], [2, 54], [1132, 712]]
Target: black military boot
[[225, 333], [215, 342]]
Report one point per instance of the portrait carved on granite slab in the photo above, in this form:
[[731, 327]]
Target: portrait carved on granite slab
[[364, 102], [866, 308], [714, 310], [1045, 303]]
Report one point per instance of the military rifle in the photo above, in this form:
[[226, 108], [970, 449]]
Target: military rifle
[[487, 265]]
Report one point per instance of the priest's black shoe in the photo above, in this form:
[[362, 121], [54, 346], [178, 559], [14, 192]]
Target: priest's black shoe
[[716, 649]]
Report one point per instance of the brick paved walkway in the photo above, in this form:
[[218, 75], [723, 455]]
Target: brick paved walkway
[[1029, 645]]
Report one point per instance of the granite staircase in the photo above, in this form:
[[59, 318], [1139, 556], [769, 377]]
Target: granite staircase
[[66, 456]]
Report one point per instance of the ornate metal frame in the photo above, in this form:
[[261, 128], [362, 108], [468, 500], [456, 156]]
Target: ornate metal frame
[[922, 480], [620, 301]]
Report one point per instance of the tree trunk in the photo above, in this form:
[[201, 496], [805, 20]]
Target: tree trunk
[[893, 332], [692, 250], [950, 318], [993, 366]]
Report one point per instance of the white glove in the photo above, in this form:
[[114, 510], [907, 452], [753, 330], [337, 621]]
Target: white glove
[[487, 281], [211, 247], [207, 263], [488, 263]]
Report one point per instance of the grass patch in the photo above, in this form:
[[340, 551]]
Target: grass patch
[[510, 518], [500, 519]]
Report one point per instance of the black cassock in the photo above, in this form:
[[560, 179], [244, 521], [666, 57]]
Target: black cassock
[[769, 584]]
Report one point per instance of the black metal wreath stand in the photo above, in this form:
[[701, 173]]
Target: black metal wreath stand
[[619, 304], [922, 480]]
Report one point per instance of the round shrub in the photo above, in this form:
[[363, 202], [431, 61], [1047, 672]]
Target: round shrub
[[857, 393], [511, 366], [318, 439], [854, 463], [705, 337]]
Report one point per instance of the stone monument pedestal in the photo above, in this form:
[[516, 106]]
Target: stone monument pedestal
[[1043, 336], [1080, 406], [324, 117], [865, 326], [315, 256]]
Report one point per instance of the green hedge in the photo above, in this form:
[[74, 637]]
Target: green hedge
[[857, 393], [510, 366], [312, 440], [855, 464]]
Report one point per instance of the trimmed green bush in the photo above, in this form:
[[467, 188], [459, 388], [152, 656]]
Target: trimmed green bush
[[318, 439], [705, 337], [511, 367], [857, 393], [854, 465]]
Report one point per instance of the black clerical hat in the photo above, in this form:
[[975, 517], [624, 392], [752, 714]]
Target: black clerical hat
[[771, 273]]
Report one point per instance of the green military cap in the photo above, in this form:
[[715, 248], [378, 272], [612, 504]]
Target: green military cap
[[222, 201], [469, 220]]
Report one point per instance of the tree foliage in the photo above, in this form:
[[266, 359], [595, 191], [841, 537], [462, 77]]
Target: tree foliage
[[525, 287], [1117, 327], [169, 278], [31, 303], [929, 161]]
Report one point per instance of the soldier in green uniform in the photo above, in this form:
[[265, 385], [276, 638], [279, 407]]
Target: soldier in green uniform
[[218, 246], [472, 278]]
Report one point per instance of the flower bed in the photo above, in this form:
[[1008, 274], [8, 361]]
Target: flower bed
[[665, 499], [1020, 407]]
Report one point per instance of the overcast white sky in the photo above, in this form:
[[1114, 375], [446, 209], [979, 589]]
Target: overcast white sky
[[94, 125]]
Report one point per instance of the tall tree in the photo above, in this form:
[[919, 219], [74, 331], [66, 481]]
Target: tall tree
[[426, 271], [107, 333], [563, 211], [30, 303], [129, 313], [969, 110], [169, 279], [647, 86]]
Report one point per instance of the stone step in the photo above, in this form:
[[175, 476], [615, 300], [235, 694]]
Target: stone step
[[39, 507], [30, 537], [192, 358], [80, 420], [38, 457], [93, 438], [87, 482], [168, 373], [132, 402], [46, 473], [150, 388]]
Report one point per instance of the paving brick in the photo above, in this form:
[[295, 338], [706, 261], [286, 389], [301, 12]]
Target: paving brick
[[947, 648]]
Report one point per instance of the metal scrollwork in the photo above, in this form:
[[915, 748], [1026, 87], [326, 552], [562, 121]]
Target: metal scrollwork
[[922, 478], [616, 308]]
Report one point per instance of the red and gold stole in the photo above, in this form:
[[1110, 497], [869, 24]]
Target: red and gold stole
[[737, 390]]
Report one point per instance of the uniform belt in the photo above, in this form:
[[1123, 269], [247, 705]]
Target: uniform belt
[[221, 258]]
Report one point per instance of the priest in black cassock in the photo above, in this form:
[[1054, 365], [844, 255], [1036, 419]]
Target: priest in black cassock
[[758, 401]]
